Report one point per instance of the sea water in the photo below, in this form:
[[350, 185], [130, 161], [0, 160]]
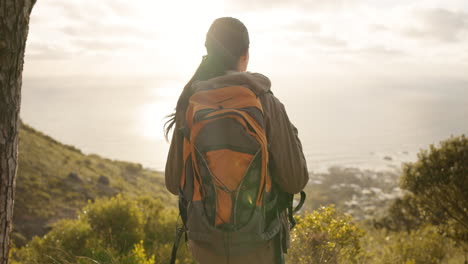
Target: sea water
[[358, 124]]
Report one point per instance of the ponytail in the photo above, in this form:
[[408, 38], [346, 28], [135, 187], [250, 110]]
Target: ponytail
[[227, 39], [210, 67], [183, 100]]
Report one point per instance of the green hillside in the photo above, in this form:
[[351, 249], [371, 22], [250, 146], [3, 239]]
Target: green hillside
[[55, 179]]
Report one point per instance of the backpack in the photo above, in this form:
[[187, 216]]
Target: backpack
[[227, 199]]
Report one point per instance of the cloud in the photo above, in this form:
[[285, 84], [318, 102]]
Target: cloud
[[304, 33], [86, 18], [96, 45], [315, 42], [79, 47], [72, 10], [303, 26], [439, 24], [122, 7], [380, 50], [62, 30], [378, 28], [102, 30], [91, 11], [36, 51], [322, 5], [327, 5], [330, 41]]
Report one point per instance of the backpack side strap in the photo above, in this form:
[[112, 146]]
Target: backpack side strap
[[180, 231], [301, 202], [291, 210]]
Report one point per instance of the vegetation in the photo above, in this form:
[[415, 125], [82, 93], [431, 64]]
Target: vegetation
[[403, 214], [424, 222], [425, 245], [439, 181], [87, 209], [55, 180], [117, 230], [325, 236]]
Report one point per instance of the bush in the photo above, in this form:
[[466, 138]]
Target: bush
[[438, 181], [138, 256], [117, 221], [159, 228], [422, 246], [325, 236], [403, 214], [118, 230], [67, 239]]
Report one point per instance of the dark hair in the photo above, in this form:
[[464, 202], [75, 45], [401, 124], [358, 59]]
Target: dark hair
[[226, 41]]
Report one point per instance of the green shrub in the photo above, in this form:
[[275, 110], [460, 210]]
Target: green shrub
[[438, 180], [138, 256], [325, 236], [421, 246], [117, 221], [403, 214], [159, 222], [159, 228], [118, 230], [67, 239]]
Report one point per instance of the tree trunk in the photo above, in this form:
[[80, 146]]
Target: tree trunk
[[14, 22]]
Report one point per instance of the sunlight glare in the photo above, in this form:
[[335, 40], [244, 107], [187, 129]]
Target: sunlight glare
[[152, 117]]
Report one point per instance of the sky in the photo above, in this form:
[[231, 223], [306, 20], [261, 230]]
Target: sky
[[165, 38], [92, 48]]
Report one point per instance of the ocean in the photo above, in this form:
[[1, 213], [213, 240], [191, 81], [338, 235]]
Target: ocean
[[365, 124]]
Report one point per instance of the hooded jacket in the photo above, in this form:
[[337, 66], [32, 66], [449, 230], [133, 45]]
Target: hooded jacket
[[287, 165]]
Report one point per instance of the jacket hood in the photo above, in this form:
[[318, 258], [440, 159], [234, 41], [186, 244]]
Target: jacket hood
[[259, 83]]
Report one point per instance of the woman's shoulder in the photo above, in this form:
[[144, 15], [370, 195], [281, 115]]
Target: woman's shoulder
[[258, 82]]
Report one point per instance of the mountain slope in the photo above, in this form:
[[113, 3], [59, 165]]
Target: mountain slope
[[55, 179]]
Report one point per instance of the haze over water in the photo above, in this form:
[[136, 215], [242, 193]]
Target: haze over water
[[353, 125]]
